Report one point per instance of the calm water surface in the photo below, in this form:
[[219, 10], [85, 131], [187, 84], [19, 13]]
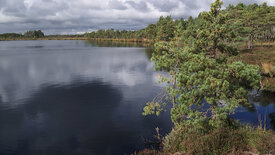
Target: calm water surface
[[83, 97]]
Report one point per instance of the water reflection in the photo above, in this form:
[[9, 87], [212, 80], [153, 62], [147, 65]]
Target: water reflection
[[97, 43], [272, 119], [259, 111], [72, 98], [83, 118], [81, 97], [25, 70]]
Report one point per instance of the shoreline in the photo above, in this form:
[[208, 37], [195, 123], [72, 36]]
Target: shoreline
[[82, 38]]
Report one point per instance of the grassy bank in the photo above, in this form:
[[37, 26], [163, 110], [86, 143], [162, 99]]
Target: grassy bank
[[233, 137], [230, 139], [262, 55]]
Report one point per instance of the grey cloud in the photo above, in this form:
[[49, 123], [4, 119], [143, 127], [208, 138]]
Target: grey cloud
[[64, 16], [165, 5], [115, 4], [142, 6], [13, 7], [195, 4], [2, 3]]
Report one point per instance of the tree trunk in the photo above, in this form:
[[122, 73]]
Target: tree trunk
[[214, 49], [270, 37], [250, 42]]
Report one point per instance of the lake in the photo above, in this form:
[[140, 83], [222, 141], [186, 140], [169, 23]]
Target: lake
[[86, 97]]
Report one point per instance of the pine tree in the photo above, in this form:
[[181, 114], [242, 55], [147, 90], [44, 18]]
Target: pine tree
[[203, 87], [165, 29]]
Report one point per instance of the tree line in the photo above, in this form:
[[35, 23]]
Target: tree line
[[29, 34], [251, 23], [204, 86], [164, 29]]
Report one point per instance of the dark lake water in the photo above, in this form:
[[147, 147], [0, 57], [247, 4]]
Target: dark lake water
[[84, 97]]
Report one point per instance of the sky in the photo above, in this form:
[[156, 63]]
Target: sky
[[79, 16]]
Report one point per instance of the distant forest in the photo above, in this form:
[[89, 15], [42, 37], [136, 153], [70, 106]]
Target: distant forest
[[250, 22], [28, 34]]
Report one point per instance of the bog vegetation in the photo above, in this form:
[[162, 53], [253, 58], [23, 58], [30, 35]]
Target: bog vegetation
[[207, 78], [204, 85]]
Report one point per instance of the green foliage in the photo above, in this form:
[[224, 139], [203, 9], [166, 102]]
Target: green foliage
[[211, 34], [150, 31], [164, 30], [111, 33], [245, 23], [153, 108], [203, 86], [29, 34], [34, 34], [7, 36], [235, 25], [253, 22]]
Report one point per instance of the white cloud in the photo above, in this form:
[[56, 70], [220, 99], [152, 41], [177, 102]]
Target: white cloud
[[7, 19], [61, 16]]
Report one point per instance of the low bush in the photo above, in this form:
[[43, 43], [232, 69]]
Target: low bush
[[233, 138], [230, 139]]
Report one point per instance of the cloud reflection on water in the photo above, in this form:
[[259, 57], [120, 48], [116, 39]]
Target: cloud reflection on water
[[26, 69], [68, 97]]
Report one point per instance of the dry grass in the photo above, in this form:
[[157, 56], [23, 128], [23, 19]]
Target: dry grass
[[213, 142], [263, 56], [268, 69], [262, 141], [229, 140], [259, 55], [269, 84], [150, 152]]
